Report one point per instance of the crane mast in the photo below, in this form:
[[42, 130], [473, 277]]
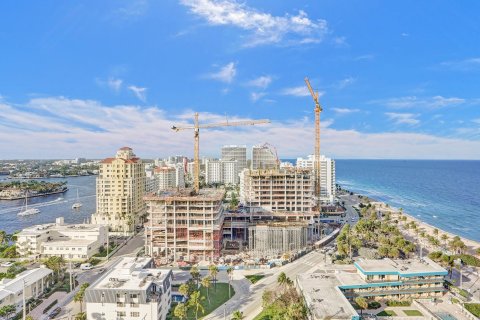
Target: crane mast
[[196, 129], [318, 109]]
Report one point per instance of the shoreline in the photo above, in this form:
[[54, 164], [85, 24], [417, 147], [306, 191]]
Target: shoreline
[[35, 195], [382, 206]]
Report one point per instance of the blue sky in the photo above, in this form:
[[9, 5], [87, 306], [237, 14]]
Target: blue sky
[[397, 80]]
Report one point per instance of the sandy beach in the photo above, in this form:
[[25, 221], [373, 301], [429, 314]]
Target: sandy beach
[[429, 229]]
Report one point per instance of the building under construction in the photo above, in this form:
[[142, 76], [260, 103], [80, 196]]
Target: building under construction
[[278, 190], [272, 239], [183, 225]]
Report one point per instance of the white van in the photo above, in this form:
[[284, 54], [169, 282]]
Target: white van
[[86, 266]]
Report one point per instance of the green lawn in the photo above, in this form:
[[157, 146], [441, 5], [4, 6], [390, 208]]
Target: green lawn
[[474, 308], [413, 313], [253, 278], [387, 313], [218, 296]]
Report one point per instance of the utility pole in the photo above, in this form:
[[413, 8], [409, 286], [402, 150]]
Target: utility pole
[[23, 300], [70, 274]]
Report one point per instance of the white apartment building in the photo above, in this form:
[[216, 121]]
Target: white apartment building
[[166, 177], [263, 157], [327, 175], [179, 175], [235, 153], [278, 190], [221, 171], [73, 242], [213, 171], [120, 190], [130, 290], [33, 282], [151, 182], [230, 172]]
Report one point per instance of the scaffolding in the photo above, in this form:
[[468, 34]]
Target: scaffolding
[[184, 226], [274, 239]]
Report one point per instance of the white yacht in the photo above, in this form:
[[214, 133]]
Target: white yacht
[[26, 211], [78, 204]]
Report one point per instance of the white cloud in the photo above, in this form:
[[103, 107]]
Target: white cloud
[[225, 74], [340, 41], [345, 82], [404, 34], [139, 92], [261, 82], [300, 91], [114, 84], [58, 127], [427, 102], [364, 57], [132, 10], [255, 96], [403, 118], [476, 120], [264, 28], [470, 64], [345, 110]]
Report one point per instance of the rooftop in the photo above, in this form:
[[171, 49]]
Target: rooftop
[[130, 273], [405, 268], [15, 285], [41, 228], [323, 297], [187, 195]]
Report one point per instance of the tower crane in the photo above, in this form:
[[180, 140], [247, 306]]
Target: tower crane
[[318, 110], [196, 131]]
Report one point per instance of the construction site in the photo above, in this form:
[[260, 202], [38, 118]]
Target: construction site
[[184, 225], [280, 212]]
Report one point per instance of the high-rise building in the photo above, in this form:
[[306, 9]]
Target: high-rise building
[[184, 224], [166, 177], [263, 157], [213, 171], [327, 175], [221, 171], [120, 190], [238, 153], [278, 190], [180, 175], [230, 172]]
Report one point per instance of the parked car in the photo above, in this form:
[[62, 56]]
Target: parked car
[[7, 264], [86, 266], [54, 313]]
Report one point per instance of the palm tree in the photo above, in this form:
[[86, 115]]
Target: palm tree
[[195, 302], [78, 297], [238, 315], [3, 235], [206, 282], [361, 303], [213, 269], [81, 316], [230, 276], [181, 311], [444, 239], [195, 274], [184, 289], [296, 311], [282, 279]]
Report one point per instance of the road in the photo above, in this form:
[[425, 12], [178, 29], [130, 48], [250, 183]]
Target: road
[[351, 214], [248, 298]]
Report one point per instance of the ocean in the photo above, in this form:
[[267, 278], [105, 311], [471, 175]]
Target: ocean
[[445, 194]]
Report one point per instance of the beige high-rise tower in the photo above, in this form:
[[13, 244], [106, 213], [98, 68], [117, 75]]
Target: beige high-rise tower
[[120, 191]]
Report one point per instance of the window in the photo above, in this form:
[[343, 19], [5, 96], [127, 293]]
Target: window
[[133, 295], [134, 305], [135, 314], [121, 314]]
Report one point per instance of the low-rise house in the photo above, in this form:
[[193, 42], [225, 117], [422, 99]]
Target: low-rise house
[[130, 290], [33, 282], [73, 242]]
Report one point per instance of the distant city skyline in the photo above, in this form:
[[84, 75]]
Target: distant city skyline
[[397, 80]]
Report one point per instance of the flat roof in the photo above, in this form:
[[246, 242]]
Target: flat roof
[[69, 243], [323, 297], [404, 268], [41, 228], [129, 273], [29, 276], [187, 194]]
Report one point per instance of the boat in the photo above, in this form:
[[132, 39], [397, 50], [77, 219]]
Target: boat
[[28, 212], [78, 204]]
